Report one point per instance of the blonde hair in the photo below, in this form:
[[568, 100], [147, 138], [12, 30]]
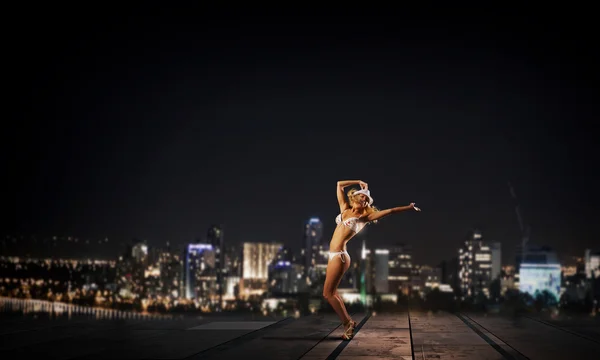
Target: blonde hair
[[368, 210]]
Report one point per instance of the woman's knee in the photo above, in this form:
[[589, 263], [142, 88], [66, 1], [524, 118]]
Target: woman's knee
[[327, 294]]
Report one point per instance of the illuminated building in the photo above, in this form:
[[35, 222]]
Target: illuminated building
[[399, 269], [377, 271], [363, 274], [540, 271], [198, 271], [314, 251], [139, 252], [592, 263], [256, 258], [170, 274], [535, 278], [496, 250], [475, 266], [426, 278], [285, 277], [232, 261], [214, 237], [449, 274], [232, 285]]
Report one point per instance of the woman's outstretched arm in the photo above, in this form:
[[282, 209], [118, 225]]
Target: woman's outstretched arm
[[383, 213]]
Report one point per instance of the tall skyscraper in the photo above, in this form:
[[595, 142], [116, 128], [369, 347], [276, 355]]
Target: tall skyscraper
[[314, 260], [381, 270], [475, 265], [496, 248], [592, 263], [197, 261], [214, 237], [449, 273], [363, 273], [139, 252], [374, 266], [399, 273], [285, 276]]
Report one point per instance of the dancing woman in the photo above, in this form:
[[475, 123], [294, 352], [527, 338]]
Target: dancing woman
[[355, 213]]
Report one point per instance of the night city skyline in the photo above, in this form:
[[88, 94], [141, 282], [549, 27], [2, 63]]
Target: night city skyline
[[155, 128]]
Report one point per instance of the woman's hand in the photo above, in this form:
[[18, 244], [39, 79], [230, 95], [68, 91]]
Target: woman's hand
[[412, 206], [363, 185]]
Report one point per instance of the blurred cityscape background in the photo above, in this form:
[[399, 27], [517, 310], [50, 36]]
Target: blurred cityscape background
[[71, 275]]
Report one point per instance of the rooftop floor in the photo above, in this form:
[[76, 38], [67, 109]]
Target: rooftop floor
[[382, 336]]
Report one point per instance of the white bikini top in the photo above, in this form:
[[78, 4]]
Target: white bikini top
[[352, 223]]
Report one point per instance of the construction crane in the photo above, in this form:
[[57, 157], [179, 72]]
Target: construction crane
[[525, 229]]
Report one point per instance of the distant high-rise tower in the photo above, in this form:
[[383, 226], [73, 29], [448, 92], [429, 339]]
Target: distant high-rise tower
[[496, 259], [400, 266], [363, 273], [284, 274], [475, 265], [376, 265], [214, 237], [139, 251], [196, 258], [313, 234], [592, 263]]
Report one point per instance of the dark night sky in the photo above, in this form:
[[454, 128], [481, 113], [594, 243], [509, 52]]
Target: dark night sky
[[152, 126]]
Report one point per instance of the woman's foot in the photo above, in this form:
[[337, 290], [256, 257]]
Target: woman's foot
[[349, 330]]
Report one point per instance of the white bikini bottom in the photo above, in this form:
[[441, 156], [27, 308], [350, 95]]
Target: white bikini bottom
[[340, 253]]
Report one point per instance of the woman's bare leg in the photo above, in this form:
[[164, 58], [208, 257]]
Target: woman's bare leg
[[347, 266], [344, 310], [335, 270]]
